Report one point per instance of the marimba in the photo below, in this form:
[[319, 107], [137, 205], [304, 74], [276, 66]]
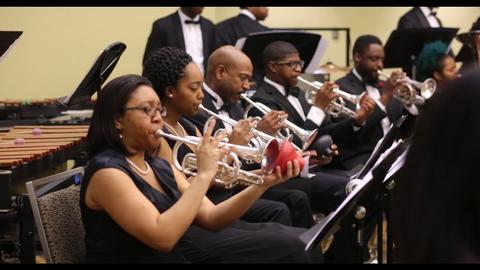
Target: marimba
[[28, 151]]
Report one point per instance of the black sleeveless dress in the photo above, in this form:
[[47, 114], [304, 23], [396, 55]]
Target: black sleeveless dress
[[108, 242], [241, 242]]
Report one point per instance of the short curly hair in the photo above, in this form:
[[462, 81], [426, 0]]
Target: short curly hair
[[430, 59], [165, 67]]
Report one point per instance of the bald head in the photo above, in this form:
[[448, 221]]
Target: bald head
[[228, 56], [228, 72]]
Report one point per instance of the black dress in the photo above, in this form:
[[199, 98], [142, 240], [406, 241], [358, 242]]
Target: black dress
[[237, 243]]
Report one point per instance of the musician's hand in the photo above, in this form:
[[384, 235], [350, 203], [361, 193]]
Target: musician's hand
[[208, 153], [276, 177], [367, 107], [323, 159], [396, 80], [325, 95], [272, 122], [242, 132]]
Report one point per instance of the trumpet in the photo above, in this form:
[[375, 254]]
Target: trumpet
[[306, 136], [264, 137], [228, 175], [337, 107], [408, 95]]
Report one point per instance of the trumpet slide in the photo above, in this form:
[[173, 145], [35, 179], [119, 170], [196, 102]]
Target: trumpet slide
[[306, 136]]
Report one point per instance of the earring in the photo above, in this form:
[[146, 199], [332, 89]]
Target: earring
[[121, 136], [170, 96]]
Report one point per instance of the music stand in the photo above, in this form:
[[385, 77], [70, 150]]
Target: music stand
[[469, 52], [96, 76], [350, 209], [310, 46], [404, 45], [7, 42], [465, 54]]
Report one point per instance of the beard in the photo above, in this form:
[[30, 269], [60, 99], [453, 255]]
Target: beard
[[368, 76]]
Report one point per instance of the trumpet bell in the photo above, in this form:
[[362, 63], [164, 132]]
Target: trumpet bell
[[428, 88]]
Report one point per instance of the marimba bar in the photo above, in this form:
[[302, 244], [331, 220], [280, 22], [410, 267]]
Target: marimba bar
[[27, 151]]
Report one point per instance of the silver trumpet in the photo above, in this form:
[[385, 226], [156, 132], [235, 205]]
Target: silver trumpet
[[227, 175], [264, 137], [407, 93], [306, 136], [337, 107]]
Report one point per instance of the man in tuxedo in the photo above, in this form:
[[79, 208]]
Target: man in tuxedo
[[420, 17], [228, 75], [279, 92], [185, 29], [368, 57], [230, 30]]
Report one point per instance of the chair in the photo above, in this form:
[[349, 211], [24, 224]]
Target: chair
[[56, 211]]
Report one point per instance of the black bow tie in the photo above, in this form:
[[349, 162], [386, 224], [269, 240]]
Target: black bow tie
[[292, 91], [192, 22]]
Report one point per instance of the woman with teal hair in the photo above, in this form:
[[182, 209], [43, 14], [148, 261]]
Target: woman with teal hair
[[435, 62]]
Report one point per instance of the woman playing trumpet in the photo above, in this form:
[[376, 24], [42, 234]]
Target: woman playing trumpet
[[178, 81], [136, 208]]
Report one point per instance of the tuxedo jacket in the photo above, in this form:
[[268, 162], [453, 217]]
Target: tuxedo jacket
[[230, 30], [272, 98], [357, 150], [235, 112], [414, 18], [167, 31]]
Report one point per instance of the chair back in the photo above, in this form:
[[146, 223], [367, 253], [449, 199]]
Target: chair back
[[56, 211]]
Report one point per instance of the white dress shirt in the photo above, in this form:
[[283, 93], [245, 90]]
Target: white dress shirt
[[374, 93], [218, 103], [315, 114], [192, 34], [432, 20], [248, 14]]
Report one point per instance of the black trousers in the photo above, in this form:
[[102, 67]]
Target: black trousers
[[244, 242], [297, 202], [325, 191], [287, 207]]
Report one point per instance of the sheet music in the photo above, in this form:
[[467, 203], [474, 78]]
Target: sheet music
[[381, 158], [397, 164], [373, 152], [319, 52], [4, 55]]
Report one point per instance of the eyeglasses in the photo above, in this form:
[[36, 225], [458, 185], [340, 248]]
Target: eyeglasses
[[150, 110], [292, 64]]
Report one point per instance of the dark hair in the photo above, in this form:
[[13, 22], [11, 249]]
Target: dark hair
[[277, 50], [111, 101], [436, 205], [362, 43], [165, 67], [431, 59]]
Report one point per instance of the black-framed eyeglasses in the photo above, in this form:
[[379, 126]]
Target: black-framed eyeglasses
[[150, 110], [292, 64]]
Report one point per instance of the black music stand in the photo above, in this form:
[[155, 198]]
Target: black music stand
[[404, 45], [7, 41], [468, 53], [310, 46], [96, 76], [350, 211]]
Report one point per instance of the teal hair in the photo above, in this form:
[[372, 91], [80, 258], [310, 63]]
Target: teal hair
[[430, 60]]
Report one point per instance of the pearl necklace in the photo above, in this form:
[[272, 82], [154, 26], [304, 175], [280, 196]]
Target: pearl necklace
[[144, 172], [172, 129]]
